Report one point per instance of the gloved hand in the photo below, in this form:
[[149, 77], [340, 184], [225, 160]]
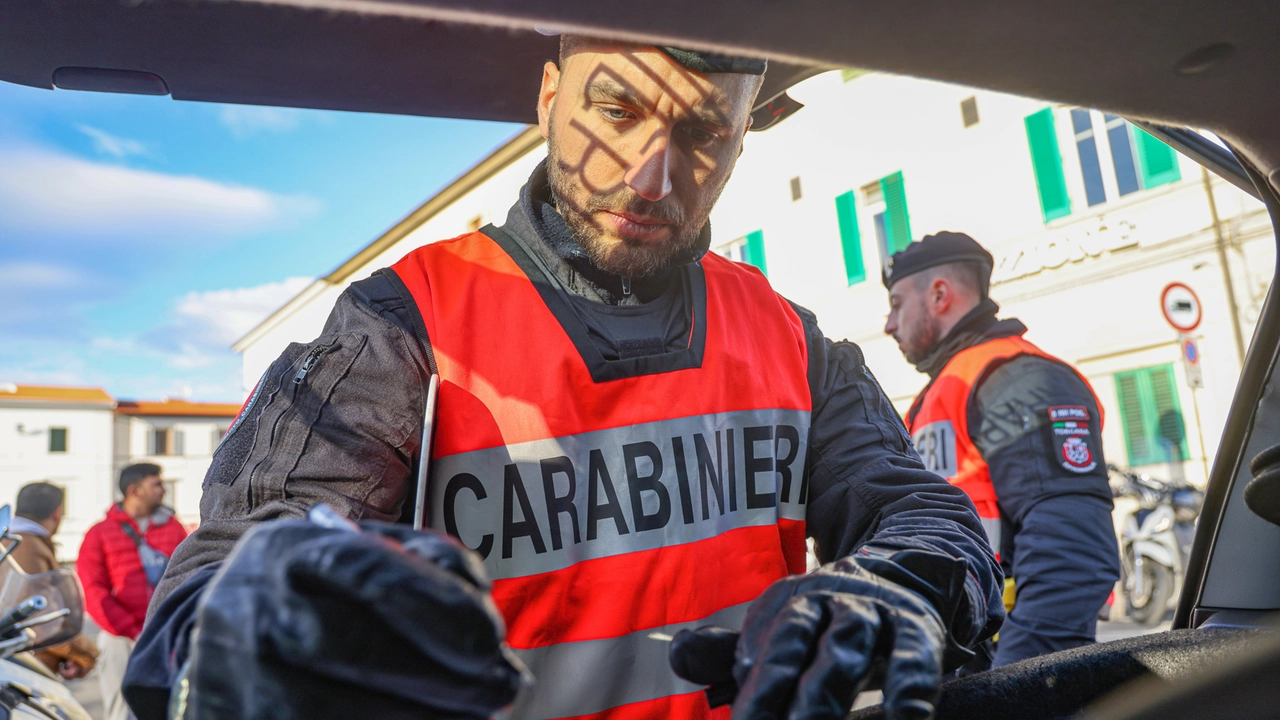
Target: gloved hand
[[305, 621], [811, 643]]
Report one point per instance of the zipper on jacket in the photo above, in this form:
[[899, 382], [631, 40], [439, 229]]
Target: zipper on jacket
[[312, 358]]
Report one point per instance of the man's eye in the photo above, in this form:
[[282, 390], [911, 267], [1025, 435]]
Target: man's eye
[[615, 113], [699, 135]]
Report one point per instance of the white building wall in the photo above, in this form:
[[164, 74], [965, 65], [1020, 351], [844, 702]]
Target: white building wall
[[1087, 285], [84, 470], [183, 473]]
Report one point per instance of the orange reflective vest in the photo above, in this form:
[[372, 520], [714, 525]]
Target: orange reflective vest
[[612, 513], [939, 425]]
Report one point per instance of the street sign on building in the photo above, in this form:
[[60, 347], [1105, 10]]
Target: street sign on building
[[1181, 307], [1191, 361]]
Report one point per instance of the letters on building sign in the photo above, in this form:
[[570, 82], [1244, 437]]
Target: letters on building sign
[[545, 505], [1030, 256]]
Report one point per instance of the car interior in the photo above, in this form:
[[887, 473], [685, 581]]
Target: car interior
[[1166, 66]]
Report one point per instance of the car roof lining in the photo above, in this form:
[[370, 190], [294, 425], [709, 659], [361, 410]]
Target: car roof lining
[[481, 58]]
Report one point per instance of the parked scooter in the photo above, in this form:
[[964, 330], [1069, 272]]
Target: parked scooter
[[36, 611], [1155, 542]]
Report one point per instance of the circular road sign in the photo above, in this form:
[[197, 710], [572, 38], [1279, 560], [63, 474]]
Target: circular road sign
[[1181, 307], [1190, 351]]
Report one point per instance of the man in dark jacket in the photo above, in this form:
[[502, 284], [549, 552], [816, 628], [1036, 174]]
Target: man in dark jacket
[[605, 253], [1019, 430]]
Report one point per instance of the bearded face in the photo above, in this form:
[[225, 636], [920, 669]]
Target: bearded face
[[910, 323], [639, 150], [605, 223]]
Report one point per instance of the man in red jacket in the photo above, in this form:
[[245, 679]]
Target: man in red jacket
[[121, 560]]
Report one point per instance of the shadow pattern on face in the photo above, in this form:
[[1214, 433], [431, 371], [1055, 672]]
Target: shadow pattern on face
[[681, 130]]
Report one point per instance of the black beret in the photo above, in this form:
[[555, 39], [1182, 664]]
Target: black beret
[[932, 251], [704, 62]]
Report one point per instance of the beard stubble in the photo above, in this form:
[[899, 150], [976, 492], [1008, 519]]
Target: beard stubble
[[624, 256]]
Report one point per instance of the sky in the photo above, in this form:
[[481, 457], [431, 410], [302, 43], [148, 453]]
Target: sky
[[141, 236]]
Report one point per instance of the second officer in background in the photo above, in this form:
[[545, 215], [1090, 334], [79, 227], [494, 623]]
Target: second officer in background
[[1019, 430]]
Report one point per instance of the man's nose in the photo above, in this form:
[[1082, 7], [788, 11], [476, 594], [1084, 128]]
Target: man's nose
[[650, 174], [890, 325]]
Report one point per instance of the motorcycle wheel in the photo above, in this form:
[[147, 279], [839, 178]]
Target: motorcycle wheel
[[1149, 610]]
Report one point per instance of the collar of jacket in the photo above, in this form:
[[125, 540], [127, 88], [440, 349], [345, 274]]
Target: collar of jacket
[[537, 223], [26, 526], [977, 326]]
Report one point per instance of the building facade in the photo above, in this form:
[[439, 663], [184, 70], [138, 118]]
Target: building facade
[[177, 435], [80, 438], [1088, 217]]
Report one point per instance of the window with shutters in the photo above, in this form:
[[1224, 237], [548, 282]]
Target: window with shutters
[[57, 440], [897, 222], [748, 249], [1151, 416], [850, 238], [796, 194], [1158, 162], [1046, 163], [166, 441]]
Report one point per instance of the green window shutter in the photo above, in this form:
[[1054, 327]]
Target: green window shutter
[[1167, 425], [850, 238], [753, 251], [1046, 160], [1151, 416], [897, 222], [1131, 418], [1158, 162]]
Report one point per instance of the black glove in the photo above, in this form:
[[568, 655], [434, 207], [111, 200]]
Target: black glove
[[811, 643], [304, 621]]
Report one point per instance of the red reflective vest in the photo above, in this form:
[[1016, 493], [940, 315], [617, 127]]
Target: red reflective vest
[[939, 425], [612, 514]]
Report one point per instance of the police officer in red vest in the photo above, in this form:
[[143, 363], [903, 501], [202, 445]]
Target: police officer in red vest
[[1019, 430], [634, 437]]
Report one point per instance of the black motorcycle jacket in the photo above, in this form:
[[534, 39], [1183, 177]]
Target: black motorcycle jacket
[[1059, 544], [338, 421]]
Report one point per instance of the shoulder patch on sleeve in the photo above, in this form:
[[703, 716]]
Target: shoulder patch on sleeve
[[1068, 412], [1076, 455]]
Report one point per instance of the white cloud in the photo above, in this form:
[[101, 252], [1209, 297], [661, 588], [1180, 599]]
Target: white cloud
[[105, 142], [56, 194], [246, 120], [205, 324], [23, 277]]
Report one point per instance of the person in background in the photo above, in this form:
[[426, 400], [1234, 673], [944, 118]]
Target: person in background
[[121, 560], [38, 514], [1017, 429]]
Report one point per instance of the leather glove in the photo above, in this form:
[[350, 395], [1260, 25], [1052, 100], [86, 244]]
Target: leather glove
[[305, 621], [811, 643]]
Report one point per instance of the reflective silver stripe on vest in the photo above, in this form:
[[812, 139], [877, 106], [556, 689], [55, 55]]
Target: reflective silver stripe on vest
[[936, 445], [545, 505], [578, 678], [992, 526]]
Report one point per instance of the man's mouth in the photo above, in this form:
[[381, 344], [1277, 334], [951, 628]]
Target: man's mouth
[[640, 227]]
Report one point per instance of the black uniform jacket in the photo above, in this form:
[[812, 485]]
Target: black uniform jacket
[[338, 421], [1058, 541]]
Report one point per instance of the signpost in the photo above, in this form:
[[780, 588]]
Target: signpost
[[1181, 307]]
